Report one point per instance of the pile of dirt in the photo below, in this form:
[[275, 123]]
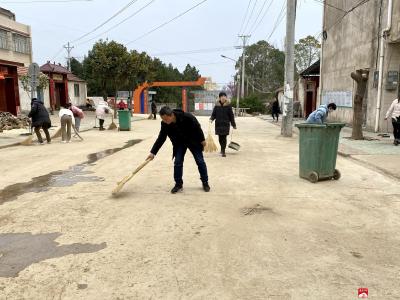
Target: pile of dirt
[[8, 121]]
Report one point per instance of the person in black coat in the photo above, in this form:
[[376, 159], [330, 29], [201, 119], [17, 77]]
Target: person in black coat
[[276, 110], [185, 132], [40, 119], [154, 109], [223, 116]]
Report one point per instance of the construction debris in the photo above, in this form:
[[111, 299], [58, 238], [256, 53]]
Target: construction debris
[[8, 121]]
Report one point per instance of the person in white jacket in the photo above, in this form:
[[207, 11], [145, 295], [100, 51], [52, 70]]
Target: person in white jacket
[[67, 121], [394, 113]]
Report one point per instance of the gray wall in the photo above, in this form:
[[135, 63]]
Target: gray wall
[[352, 43]]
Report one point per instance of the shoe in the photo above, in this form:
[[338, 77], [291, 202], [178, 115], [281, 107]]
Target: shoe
[[64, 142], [177, 188], [49, 142], [206, 187], [68, 141], [41, 143], [223, 155], [396, 142], [101, 129]]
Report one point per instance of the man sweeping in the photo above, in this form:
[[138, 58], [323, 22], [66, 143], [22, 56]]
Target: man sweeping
[[185, 133]]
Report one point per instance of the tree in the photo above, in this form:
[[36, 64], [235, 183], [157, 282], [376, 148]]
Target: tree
[[361, 78], [264, 66], [43, 82], [306, 52], [76, 67]]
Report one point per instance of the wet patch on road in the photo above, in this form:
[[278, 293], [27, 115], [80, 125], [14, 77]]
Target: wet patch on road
[[256, 209], [65, 178], [20, 250]]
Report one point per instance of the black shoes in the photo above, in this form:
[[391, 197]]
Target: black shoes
[[206, 187], [396, 142], [177, 188]]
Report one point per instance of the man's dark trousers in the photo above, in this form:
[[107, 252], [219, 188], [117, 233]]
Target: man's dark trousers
[[180, 157]]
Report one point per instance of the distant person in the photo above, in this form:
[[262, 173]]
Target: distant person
[[67, 120], [319, 116], [224, 118], [185, 133], [122, 105], [154, 109], [276, 110], [40, 119], [88, 104], [394, 113], [101, 110], [78, 115]]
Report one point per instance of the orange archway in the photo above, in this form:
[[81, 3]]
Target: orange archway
[[140, 95]]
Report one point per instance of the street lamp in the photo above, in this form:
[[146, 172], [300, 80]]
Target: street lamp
[[238, 86]]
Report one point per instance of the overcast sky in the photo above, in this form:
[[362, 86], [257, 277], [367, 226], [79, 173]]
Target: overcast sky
[[212, 24]]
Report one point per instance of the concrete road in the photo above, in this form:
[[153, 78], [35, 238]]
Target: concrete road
[[261, 233]]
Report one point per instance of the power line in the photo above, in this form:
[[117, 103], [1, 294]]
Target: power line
[[166, 23], [44, 1], [254, 28], [197, 51], [251, 14], [116, 25], [324, 3], [279, 19], [105, 22], [245, 16]]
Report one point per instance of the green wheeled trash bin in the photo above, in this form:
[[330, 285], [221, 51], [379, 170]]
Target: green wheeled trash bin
[[318, 150], [124, 117]]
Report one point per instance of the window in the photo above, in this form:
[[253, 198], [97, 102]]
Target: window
[[21, 44], [3, 39], [76, 89]]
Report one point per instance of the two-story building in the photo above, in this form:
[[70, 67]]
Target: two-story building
[[15, 51], [361, 35]]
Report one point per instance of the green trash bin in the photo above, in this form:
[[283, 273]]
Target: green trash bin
[[318, 150], [124, 118]]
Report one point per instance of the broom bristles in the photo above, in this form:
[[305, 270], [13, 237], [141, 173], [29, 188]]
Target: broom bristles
[[27, 141], [210, 145]]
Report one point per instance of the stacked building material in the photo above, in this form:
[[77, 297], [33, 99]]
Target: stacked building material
[[8, 121]]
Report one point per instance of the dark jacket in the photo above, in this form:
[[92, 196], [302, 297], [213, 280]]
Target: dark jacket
[[186, 131], [39, 114], [153, 108], [223, 116], [275, 107]]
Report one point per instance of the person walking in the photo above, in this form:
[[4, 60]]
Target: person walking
[[154, 109], [320, 115], [67, 120], [394, 113], [78, 115], [40, 120], [185, 133], [101, 110], [276, 110], [223, 116]]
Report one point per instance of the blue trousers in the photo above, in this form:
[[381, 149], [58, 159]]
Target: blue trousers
[[180, 152]]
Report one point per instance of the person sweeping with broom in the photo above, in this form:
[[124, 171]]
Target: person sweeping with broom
[[185, 133], [223, 116]]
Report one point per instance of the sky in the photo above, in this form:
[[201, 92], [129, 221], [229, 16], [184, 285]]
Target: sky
[[212, 26]]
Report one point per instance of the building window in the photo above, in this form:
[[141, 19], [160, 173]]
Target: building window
[[3, 39], [21, 44], [76, 89]]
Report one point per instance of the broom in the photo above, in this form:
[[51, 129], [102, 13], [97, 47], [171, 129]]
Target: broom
[[210, 145], [112, 125], [121, 184], [29, 140]]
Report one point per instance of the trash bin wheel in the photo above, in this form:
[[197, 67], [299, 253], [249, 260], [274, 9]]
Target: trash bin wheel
[[336, 174], [313, 177]]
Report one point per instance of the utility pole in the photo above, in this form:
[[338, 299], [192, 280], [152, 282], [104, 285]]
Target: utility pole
[[287, 120], [238, 95], [69, 49], [244, 38]]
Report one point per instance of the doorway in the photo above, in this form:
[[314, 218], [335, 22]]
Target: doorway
[[59, 94]]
